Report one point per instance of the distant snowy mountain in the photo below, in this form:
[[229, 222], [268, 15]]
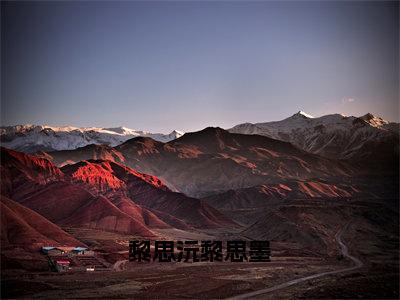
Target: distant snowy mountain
[[335, 136], [32, 138]]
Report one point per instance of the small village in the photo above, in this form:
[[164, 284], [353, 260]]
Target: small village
[[74, 259]]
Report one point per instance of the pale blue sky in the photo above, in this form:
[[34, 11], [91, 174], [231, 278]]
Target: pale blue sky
[[160, 66]]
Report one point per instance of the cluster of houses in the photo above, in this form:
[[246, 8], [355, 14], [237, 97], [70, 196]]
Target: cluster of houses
[[49, 250], [61, 257]]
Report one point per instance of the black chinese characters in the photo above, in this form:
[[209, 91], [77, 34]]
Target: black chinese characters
[[203, 251]]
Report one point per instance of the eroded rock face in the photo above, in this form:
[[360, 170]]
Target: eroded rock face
[[102, 195], [23, 227]]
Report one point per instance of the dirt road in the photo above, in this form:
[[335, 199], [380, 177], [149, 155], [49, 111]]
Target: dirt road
[[357, 264]]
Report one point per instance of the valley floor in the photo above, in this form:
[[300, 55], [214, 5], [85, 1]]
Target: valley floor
[[377, 277], [206, 281]]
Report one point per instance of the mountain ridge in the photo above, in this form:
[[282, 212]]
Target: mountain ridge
[[333, 136], [101, 194], [214, 159], [32, 138]]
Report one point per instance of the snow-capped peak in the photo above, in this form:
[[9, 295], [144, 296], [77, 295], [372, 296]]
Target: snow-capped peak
[[121, 130], [177, 132], [303, 114], [373, 120]]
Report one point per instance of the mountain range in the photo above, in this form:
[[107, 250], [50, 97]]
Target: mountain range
[[101, 195], [212, 160], [334, 136], [32, 138], [288, 181]]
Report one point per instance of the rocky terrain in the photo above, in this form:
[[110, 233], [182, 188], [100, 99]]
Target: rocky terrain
[[211, 184]]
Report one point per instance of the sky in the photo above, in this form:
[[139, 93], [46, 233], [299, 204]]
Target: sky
[[160, 66]]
